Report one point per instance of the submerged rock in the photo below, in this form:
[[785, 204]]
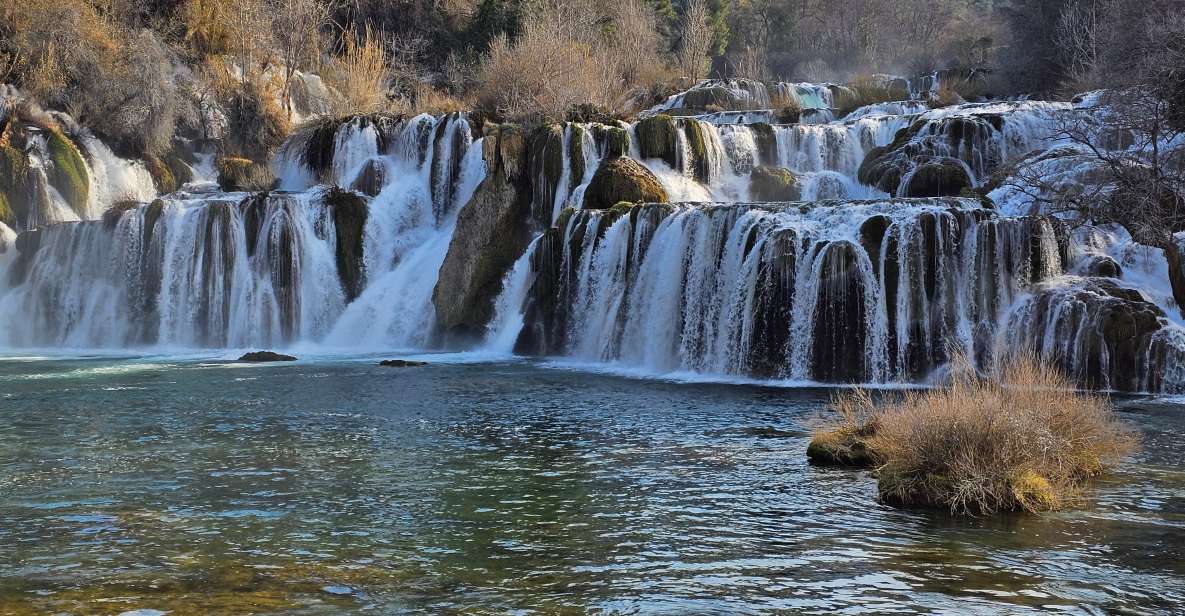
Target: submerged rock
[[265, 356], [491, 233], [622, 179], [401, 363], [774, 184]]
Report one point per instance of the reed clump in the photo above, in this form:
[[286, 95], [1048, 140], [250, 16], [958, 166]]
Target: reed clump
[[1019, 438]]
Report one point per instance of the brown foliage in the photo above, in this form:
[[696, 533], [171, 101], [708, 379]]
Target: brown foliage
[[1020, 438]]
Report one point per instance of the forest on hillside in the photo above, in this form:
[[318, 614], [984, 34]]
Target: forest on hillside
[[140, 73]]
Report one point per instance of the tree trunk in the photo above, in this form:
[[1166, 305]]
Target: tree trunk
[[1172, 255]]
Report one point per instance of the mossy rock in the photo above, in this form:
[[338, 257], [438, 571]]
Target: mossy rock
[[162, 175], [774, 184], [69, 173], [844, 446], [7, 215], [349, 221], [697, 143], [767, 143], [941, 177], [243, 174], [114, 213], [615, 141], [658, 137], [14, 184], [622, 179], [575, 155], [709, 98]]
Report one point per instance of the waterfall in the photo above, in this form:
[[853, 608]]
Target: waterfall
[[863, 291], [836, 278]]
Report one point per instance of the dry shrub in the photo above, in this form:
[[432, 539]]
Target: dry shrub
[[359, 75], [1019, 439], [256, 122], [869, 90], [570, 54]]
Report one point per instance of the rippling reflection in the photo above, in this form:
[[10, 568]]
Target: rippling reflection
[[332, 487]]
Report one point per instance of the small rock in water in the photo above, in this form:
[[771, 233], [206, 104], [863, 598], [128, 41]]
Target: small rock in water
[[262, 356], [143, 612], [338, 590], [401, 363]]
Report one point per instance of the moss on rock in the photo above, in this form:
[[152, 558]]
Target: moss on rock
[[622, 179], [162, 175], [658, 138], [846, 445], [697, 144], [69, 173], [774, 184]]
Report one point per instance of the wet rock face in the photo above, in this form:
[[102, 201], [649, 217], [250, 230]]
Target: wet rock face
[[349, 221], [658, 137], [774, 184], [1104, 335], [840, 332], [371, 178], [265, 356], [940, 177], [492, 232], [622, 179]]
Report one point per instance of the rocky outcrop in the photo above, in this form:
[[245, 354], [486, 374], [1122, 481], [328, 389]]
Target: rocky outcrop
[[491, 233], [1104, 335], [774, 184], [622, 179], [937, 177], [371, 178], [349, 222], [658, 137]]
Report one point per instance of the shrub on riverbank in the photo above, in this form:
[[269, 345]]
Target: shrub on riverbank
[[1020, 438]]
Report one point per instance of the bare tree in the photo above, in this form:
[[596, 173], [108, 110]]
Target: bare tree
[[296, 28], [1132, 174], [1084, 30], [696, 43]]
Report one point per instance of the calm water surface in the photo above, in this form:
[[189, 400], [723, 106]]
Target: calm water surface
[[192, 487]]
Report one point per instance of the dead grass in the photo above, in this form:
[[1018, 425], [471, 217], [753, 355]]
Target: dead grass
[[359, 75], [1018, 439]]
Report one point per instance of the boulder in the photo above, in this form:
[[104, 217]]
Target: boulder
[[774, 184], [622, 179], [401, 363], [1102, 266], [265, 356], [69, 172], [939, 177], [492, 233]]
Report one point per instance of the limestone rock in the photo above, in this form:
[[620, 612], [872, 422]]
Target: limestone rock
[[774, 184], [492, 232], [622, 179]]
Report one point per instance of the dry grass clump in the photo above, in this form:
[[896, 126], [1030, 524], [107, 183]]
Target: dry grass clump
[[359, 75], [1019, 439]]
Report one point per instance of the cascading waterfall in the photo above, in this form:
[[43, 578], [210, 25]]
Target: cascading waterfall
[[269, 269], [869, 291], [846, 284]]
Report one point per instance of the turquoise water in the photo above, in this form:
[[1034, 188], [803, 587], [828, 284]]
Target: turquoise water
[[192, 486]]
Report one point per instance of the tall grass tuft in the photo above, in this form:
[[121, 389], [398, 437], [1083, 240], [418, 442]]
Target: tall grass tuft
[[1019, 438]]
